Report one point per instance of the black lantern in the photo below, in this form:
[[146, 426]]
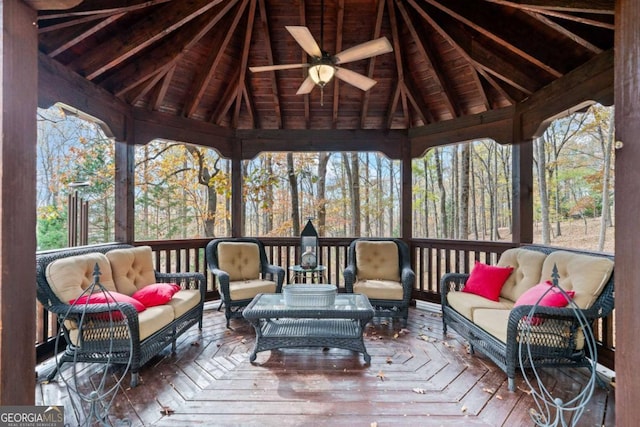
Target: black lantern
[[309, 246]]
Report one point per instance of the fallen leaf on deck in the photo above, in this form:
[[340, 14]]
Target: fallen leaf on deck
[[195, 344], [389, 360], [463, 409], [498, 397], [524, 391], [381, 375], [395, 336], [419, 390], [488, 390], [374, 424], [243, 340]]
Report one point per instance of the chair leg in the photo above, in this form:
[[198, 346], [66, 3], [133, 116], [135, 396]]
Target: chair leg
[[512, 384], [134, 379]]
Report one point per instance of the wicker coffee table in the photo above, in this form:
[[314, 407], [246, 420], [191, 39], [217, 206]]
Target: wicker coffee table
[[339, 325]]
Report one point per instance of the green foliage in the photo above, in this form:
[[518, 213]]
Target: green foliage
[[51, 228]]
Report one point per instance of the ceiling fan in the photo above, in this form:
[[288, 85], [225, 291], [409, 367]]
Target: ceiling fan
[[323, 66]]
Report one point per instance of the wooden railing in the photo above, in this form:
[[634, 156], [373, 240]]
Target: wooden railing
[[431, 259]]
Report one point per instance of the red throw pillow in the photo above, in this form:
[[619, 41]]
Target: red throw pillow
[[545, 295], [487, 280], [156, 294], [110, 297]]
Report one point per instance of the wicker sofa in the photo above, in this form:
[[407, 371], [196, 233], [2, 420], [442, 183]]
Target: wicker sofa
[[129, 336], [497, 327]]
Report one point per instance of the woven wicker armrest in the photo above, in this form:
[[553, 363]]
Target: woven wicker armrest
[[452, 282], [349, 274], [275, 273]]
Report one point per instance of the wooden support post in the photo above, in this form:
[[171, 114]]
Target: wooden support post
[[627, 206], [237, 217], [18, 135], [124, 192], [521, 186], [406, 201]]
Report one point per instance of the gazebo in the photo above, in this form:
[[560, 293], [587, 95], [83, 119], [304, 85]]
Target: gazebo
[[180, 70]]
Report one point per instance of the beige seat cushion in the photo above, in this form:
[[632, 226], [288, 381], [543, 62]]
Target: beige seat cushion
[[69, 276], [584, 274], [241, 260], [466, 303], [183, 301], [527, 266], [377, 260], [132, 268], [495, 322], [247, 289], [379, 289], [150, 321]]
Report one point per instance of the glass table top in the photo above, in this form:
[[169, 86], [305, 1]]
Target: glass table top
[[346, 302]]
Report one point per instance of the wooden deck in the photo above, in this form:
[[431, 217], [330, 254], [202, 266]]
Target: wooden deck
[[415, 378]]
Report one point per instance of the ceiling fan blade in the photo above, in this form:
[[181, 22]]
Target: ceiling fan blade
[[364, 50], [306, 86], [305, 40], [276, 67], [355, 79]]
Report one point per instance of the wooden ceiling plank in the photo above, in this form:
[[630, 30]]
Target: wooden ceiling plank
[[269, 51], [338, 48], [202, 80], [432, 63], [167, 53], [497, 39], [85, 34], [251, 16], [364, 110], [158, 98], [101, 7], [303, 59], [146, 32]]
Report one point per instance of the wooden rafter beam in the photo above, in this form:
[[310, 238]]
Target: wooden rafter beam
[[43, 29], [397, 51], [269, 51], [336, 82], [393, 105], [364, 110], [549, 12], [226, 101], [432, 63], [582, 6], [464, 55], [68, 44], [248, 101], [146, 32], [168, 52], [200, 83], [158, 97], [496, 38], [565, 32], [251, 15], [143, 89], [99, 7], [417, 102]]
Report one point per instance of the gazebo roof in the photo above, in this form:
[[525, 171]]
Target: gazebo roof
[[451, 58]]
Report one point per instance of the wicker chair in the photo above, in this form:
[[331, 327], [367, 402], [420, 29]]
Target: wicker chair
[[243, 271], [381, 269]]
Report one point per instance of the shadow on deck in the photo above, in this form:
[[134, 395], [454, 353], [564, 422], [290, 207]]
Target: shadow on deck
[[415, 378]]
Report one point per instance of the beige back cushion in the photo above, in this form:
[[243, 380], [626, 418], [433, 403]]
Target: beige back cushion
[[132, 268], [527, 266], [68, 277], [584, 274], [241, 260], [377, 260]]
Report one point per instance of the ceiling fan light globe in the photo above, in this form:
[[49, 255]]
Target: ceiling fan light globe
[[321, 74]]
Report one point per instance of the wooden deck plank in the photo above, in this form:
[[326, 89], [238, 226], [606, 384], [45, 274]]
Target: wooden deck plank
[[416, 377]]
